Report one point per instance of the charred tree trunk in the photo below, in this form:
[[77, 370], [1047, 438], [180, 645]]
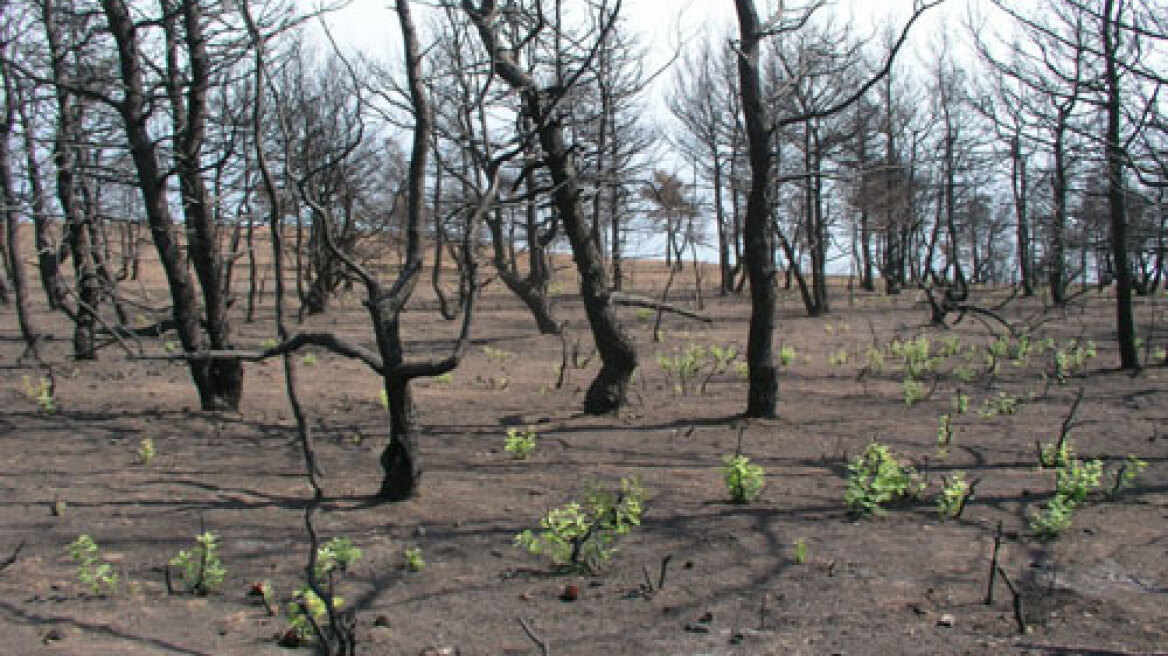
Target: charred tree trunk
[[1116, 190], [763, 394], [28, 330], [48, 264], [616, 348], [1021, 188], [218, 381]]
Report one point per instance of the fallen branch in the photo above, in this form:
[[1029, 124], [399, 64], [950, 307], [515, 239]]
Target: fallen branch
[[989, 598], [7, 562], [622, 298], [664, 569], [1019, 617], [539, 642]]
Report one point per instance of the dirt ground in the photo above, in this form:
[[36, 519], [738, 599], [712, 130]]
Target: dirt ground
[[904, 583]]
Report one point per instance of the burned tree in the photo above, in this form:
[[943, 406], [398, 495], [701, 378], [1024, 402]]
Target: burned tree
[[541, 108]]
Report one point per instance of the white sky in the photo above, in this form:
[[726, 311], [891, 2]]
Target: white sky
[[370, 25]]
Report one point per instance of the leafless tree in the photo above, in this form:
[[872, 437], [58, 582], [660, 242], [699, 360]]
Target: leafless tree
[[541, 109], [762, 396]]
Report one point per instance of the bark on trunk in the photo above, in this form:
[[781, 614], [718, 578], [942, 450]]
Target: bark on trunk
[[763, 394], [1116, 192]]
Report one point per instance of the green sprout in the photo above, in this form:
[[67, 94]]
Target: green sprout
[[582, 535], [145, 452], [92, 569], [743, 479], [876, 478], [913, 390], [413, 559], [200, 568], [40, 393], [520, 443], [955, 492]]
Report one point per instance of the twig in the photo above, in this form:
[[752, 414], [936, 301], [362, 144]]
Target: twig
[[539, 642], [648, 581], [7, 562], [1069, 420], [1019, 617], [965, 499], [989, 599], [664, 570], [762, 609]]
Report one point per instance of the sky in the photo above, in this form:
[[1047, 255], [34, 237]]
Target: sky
[[370, 26]]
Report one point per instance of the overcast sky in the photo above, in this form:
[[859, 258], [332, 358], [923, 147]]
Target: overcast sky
[[369, 25]]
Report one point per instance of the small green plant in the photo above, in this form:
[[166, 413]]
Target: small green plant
[[950, 346], [92, 569], [875, 478], [644, 315], [445, 378], [965, 374], [336, 555], [685, 365], [913, 390], [383, 399], [744, 480], [1056, 518], [145, 452], [1020, 350], [875, 359], [960, 402], [1076, 479], [721, 359], [1126, 474], [838, 358], [1000, 347], [917, 358], [743, 370], [171, 347], [945, 432], [497, 356], [800, 551], [309, 359], [786, 355], [1072, 359], [413, 559], [307, 610], [1002, 404], [41, 393], [520, 443], [200, 568], [269, 343], [955, 492], [582, 535], [1055, 455]]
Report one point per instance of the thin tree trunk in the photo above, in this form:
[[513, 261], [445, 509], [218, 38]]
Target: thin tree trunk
[[28, 330], [617, 351], [1116, 191], [763, 375]]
